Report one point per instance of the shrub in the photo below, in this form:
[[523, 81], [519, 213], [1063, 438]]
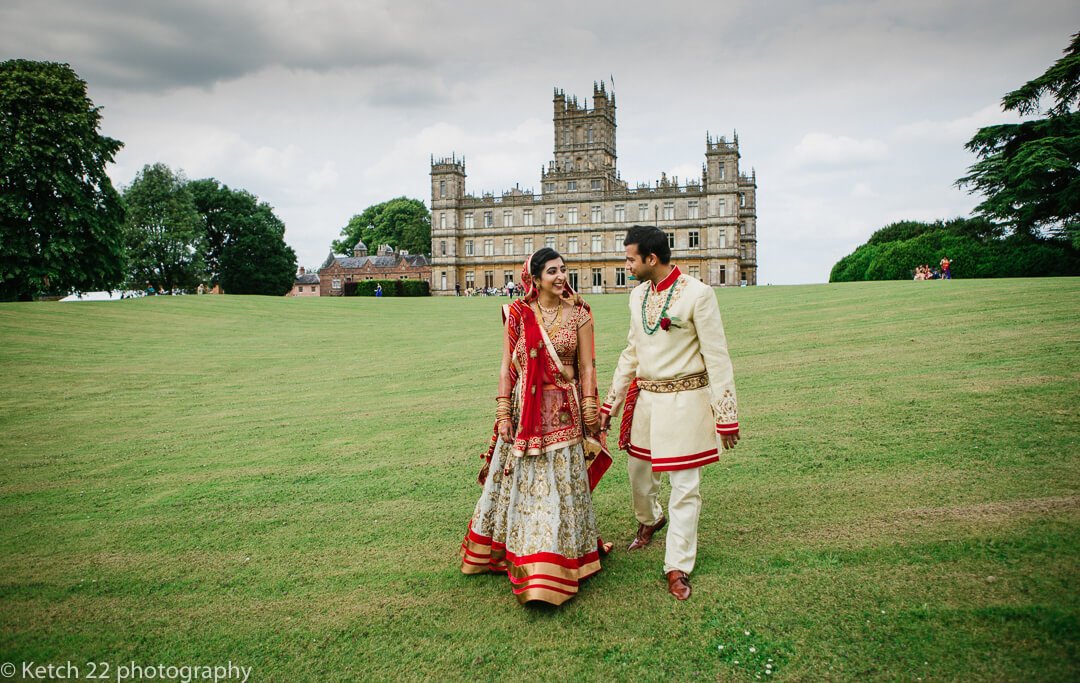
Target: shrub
[[389, 288]]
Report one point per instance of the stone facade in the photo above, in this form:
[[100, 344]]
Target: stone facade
[[305, 284], [386, 265], [585, 208]]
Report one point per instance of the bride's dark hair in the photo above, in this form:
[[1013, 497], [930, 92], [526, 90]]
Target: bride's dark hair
[[542, 256]]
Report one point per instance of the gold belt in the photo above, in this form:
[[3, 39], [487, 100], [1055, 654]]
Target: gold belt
[[670, 386]]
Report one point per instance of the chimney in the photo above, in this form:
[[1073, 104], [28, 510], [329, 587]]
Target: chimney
[[301, 271]]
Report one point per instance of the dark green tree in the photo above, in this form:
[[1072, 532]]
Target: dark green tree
[[163, 230], [60, 217], [255, 258], [402, 223], [1029, 172]]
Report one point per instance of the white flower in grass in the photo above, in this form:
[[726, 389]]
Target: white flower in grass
[[746, 632], [736, 661], [768, 672], [753, 649], [719, 647]]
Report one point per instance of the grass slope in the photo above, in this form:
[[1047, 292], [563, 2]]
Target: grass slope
[[284, 483]]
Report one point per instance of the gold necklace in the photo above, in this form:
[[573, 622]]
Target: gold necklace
[[556, 318]]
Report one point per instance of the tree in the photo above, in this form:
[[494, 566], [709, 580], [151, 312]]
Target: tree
[[256, 260], [60, 217], [163, 230], [244, 241], [1029, 172], [402, 223]]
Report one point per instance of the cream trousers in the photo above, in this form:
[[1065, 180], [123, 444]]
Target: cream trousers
[[684, 507]]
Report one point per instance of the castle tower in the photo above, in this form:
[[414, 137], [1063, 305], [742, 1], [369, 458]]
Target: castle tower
[[584, 143], [447, 182]]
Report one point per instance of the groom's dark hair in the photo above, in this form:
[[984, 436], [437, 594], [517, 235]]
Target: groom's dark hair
[[649, 240]]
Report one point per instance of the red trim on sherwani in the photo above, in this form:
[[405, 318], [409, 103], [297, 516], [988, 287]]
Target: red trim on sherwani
[[729, 428]]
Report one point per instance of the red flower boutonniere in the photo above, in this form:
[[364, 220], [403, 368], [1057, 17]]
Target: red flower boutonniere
[[667, 323]]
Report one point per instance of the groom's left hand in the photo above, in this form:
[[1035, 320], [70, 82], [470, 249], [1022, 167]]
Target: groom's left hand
[[729, 440]]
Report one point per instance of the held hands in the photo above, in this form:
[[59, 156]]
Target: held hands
[[605, 422]]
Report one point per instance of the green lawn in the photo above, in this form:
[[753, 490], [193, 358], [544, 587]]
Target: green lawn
[[284, 483]]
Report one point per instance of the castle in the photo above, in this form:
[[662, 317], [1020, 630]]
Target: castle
[[584, 209]]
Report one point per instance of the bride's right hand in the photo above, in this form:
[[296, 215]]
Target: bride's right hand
[[505, 430]]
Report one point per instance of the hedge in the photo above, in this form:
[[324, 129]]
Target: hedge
[[389, 288]]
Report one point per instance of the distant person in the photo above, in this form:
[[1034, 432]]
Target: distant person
[[535, 520], [378, 291], [202, 289], [457, 289], [946, 268], [150, 289]]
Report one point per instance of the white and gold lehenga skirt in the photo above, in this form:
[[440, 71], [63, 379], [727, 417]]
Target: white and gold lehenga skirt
[[536, 524]]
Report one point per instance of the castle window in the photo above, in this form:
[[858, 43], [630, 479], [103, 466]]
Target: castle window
[[620, 213], [692, 209], [489, 278], [470, 279], [468, 248], [721, 207], [597, 243], [549, 241], [489, 247], [508, 218], [549, 187], [527, 217], [489, 220], [720, 171], [442, 248], [671, 240], [590, 134], [507, 277], [723, 239], [442, 188], [571, 245], [643, 212], [597, 277], [695, 272], [597, 214], [468, 221], [571, 215], [508, 246], [335, 283], [694, 239], [620, 237], [571, 186], [549, 216], [528, 245], [596, 185], [669, 211], [742, 199], [620, 277], [442, 221], [723, 275]]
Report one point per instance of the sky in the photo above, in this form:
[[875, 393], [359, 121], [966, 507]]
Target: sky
[[853, 114]]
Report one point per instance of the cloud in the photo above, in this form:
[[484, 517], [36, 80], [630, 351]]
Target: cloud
[[154, 46], [958, 130], [822, 150]]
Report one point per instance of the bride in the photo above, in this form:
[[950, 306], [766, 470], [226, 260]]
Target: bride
[[534, 519]]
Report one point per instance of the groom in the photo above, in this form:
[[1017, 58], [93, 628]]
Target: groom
[[676, 388]]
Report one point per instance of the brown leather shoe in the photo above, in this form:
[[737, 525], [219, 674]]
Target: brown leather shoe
[[678, 584], [645, 534]]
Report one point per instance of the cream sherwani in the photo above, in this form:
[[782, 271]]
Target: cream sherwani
[[687, 400]]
